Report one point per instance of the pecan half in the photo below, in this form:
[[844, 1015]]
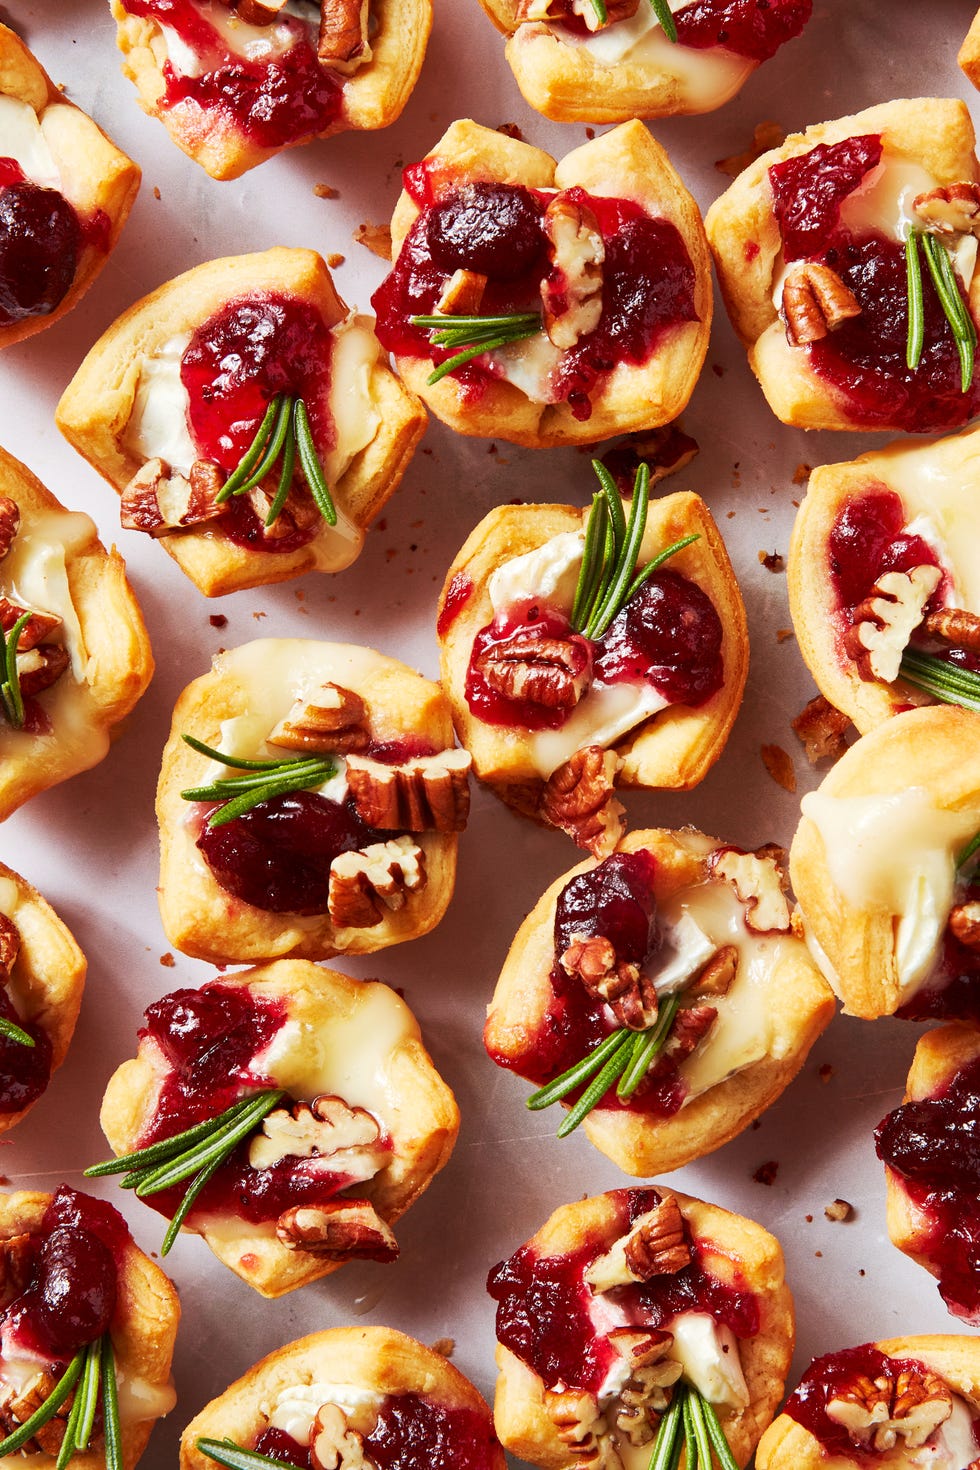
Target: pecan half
[[337, 1231], [884, 622], [623, 986], [657, 1245], [952, 210], [904, 1404], [41, 667], [652, 1373], [553, 672], [954, 625], [298, 514], [159, 501], [334, 1445], [964, 921], [39, 627], [815, 301], [335, 723], [363, 884], [427, 793], [343, 41], [9, 949], [821, 728], [581, 1429], [345, 1139], [578, 798], [9, 523], [571, 294], [760, 881], [691, 1026], [462, 294]]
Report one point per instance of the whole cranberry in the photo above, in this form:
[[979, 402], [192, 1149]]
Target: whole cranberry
[[668, 635], [491, 228], [39, 246], [615, 900], [71, 1298]]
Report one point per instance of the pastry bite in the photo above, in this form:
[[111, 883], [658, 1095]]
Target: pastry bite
[[628, 1315], [969, 55], [65, 193], [661, 995], [608, 63], [324, 1117], [257, 473], [847, 258], [42, 976], [87, 1330], [309, 804], [542, 302], [570, 675], [236, 81], [883, 591], [897, 1405], [353, 1396], [884, 866], [76, 656]]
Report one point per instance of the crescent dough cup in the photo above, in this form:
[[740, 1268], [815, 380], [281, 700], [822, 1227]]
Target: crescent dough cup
[[373, 96], [375, 1359], [97, 405], [799, 1007], [934, 132], [937, 749], [951, 464], [95, 174], [736, 1250], [786, 1445], [969, 57], [671, 750], [420, 1112], [626, 163], [48, 976], [119, 664], [143, 1328]]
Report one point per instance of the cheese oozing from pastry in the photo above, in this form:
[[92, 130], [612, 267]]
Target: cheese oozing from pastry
[[299, 20], [22, 139], [139, 1399], [707, 1351], [295, 1407]]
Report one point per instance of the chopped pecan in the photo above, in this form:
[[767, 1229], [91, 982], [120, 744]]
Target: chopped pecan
[[954, 625], [346, 1139], [759, 879], [657, 1245], [427, 793], [904, 1403], [337, 1231], [528, 10], [815, 301], [653, 1372], [462, 294], [17, 1407], [343, 41], [581, 1429], [553, 672], [40, 626], [364, 884], [691, 1026], [664, 451], [159, 501], [718, 974], [624, 987], [571, 294], [298, 514], [964, 921], [41, 667], [259, 12], [884, 622], [334, 1445], [952, 210], [9, 948], [9, 523], [17, 1257], [376, 238], [822, 728], [578, 798], [334, 723]]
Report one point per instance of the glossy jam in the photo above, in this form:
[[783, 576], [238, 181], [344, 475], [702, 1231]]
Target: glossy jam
[[615, 900], [531, 620], [274, 102], [40, 243], [411, 1433], [752, 28], [668, 635], [829, 1378], [24, 1070], [867, 539], [543, 1303], [458, 594], [808, 191]]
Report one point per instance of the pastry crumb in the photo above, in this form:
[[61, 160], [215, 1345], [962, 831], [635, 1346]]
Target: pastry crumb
[[376, 238], [808, 1219], [825, 1072], [782, 634], [839, 1210], [259, 615], [779, 764], [511, 130], [445, 1346], [766, 1173], [717, 369], [772, 561], [167, 961], [218, 620], [156, 192], [765, 135], [821, 728], [802, 473], [324, 191], [335, 259]]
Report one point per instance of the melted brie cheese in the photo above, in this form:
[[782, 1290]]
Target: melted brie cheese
[[138, 1399], [550, 571], [882, 204], [158, 425], [295, 1407], [298, 21], [23, 140], [356, 419], [708, 1353], [9, 897]]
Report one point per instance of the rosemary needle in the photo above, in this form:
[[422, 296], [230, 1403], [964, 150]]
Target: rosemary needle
[[944, 681], [226, 1452], [917, 327], [12, 1032], [664, 14], [13, 700]]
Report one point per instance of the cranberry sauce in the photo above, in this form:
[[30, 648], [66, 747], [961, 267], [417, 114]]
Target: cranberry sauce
[[829, 1378], [274, 102], [808, 191], [953, 992], [24, 1070], [752, 28], [458, 594], [934, 1145], [40, 245], [615, 900], [544, 1304], [668, 635], [411, 1433], [524, 621]]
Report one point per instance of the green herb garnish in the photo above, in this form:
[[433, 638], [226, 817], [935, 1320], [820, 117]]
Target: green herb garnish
[[10, 695], [475, 334], [91, 1371], [947, 289], [665, 16], [284, 434], [601, 13], [969, 852], [946, 682], [691, 1424], [195, 1154], [226, 1452], [265, 780], [13, 1032]]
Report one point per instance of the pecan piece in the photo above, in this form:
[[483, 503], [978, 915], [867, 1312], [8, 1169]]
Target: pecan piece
[[427, 793], [41, 667], [759, 879], [337, 1231], [964, 921], [571, 295], [815, 301], [18, 1406], [343, 40], [623, 986], [17, 1256], [578, 798], [952, 210], [334, 1445], [334, 723], [822, 727], [652, 1373], [159, 501], [907, 1404], [9, 947], [657, 1245], [462, 294], [258, 12], [691, 1026], [954, 625], [884, 622], [718, 975], [9, 523], [40, 626], [581, 1429], [344, 1138], [364, 884], [553, 672]]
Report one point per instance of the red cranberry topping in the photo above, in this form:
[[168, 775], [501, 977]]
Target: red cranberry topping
[[39, 249], [491, 228], [256, 1195], [831, 1377], [530, 620], [953, 992], [412, 1433], [808, 191], [10, 172], [25, 1071], [242, 525], [460, 591], [276, 1444], [668, 635], [70, 1299], [72, 1211], [752, 28], [867, 539], [615, 900]]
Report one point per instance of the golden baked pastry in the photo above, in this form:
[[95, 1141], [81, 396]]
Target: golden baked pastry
[[882, 868], [80, 1301], [575, 65], [236, 81], [65, 193], [969, 56], [897, 1404], [355, 852], [815, 244], [664, 990], [882, 587], [330, 1396], [42, 976], [155, 412], [691, 1313], [558, 698], [579, 293], [83, 656], [345, 1121]]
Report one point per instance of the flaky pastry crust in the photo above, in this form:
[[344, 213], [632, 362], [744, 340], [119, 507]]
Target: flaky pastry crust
[[969, 55]]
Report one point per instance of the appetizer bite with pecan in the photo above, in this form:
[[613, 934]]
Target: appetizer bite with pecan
[[364, 1397], [897, 1405], [583, 650], [309, 804], [65, 193], [236, 81], [87, 1330], [247, 418], [287, 1114], [847, 262], [884, 866], [547, 303], [928, 1146], [612, 60], [885, 601], [638, 1323], [661, 995], [74, 652]]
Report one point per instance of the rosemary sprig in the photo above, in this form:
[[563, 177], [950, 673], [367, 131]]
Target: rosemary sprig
[[475, 335], [91, 1372], [691, 1423], [263, 781], [601, 13], [111, 1428], [10, 695], [12, 1032], [915, 340], [947, 289], [665, 16], [226, 1452], [285, 435], [969, 852], [945, 682]]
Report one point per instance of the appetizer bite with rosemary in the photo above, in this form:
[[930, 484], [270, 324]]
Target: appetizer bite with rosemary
[[354, 1396], [884, 864], [608, 61], [661, 996], [882, 588], [74, 652], [236, 81], [87, 1330], [262, 470], [310, 801], [287, 1114], [638, 1325], [898, 1405], [547, 303], [847, 261], [583, 650], [65, 193]]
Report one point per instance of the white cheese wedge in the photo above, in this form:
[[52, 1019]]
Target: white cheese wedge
[[953, 1447], [356, 418], [528, 365], [882, 204], [708, 1353], [9, 897], [550, 572], [687, 949], [158, 425], [35, 575], [605, 715], [295, 1407], [298, 21], [22, 139]]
